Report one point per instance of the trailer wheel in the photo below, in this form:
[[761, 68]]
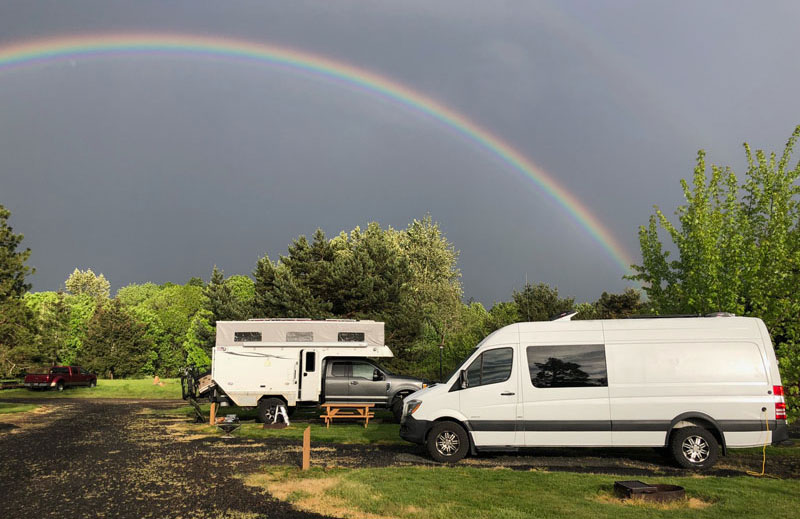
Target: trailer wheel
[[694, 448], [268, 408]]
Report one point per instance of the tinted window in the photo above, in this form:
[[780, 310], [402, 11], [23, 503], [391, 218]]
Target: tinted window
[[351, 336], [363, 370], [490, 367], [299, 336], [311, 360], [567, 366], [246, 336], [60, 371], [339, 369]]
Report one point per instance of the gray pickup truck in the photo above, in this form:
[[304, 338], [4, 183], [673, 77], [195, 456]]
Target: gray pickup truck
[[362, 380]]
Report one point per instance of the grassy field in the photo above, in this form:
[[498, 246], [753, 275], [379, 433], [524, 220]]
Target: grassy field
[[444, 492], [6, 408], [120, 388], [380, 432]]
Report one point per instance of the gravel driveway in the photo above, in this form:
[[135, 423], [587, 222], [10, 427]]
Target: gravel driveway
[[81, 458]]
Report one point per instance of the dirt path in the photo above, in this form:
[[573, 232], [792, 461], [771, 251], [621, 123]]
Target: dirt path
[[120, 459], [88, 459]]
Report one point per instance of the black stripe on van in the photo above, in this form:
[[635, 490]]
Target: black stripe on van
[[603, 425]]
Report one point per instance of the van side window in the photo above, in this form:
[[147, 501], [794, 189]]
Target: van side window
[[567, 366], [491, 367]]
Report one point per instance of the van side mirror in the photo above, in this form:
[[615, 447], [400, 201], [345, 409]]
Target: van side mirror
[[463, 380], [377, 375]]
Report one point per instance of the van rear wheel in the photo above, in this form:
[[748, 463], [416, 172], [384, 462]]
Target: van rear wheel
[[447, 442], [694, 448]]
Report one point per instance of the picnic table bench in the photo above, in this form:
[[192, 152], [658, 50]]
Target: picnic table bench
[[349, 410]]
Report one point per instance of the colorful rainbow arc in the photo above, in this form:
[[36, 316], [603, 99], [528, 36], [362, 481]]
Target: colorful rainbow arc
[[72, 47]]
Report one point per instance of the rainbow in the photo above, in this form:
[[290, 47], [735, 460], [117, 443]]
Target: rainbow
[[64, 48]]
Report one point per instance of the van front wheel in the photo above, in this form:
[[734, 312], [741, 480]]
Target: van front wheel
[[447, 442], [694, 448]]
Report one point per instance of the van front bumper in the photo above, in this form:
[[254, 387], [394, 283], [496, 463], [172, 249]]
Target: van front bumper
[[413, 430], [780, 433]]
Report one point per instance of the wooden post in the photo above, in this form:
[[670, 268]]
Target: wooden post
[[307, 448], [212, 417]]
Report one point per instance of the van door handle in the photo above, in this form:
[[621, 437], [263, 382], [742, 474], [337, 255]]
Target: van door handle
[[507, 393]]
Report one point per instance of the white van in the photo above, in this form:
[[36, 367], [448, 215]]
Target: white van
[[693, 385]]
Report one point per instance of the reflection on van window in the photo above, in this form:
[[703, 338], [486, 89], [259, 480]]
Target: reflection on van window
[[490, 367], [567, 366], [339, 369]]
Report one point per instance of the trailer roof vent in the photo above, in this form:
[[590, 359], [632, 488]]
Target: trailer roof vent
[[351, 336]]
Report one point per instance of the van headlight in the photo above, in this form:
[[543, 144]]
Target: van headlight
[[410, 408]]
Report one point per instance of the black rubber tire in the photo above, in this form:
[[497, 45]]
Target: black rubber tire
[[397, 408], [92, 383], [694, 448], [267, 408], [60, 387], [447, 442]]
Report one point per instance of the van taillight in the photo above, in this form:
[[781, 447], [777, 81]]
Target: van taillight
[[777, 390], [780, 411]]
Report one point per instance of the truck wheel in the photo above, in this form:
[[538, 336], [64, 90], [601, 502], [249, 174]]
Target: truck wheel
[[92, 383], [447, 442], [60, 386], [397, 408], [694, 448], [267, 408]]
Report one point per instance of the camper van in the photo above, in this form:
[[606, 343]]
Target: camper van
[[695, 386], [266, 363]]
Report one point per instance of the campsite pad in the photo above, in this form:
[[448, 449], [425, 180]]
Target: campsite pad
[[129, 461]]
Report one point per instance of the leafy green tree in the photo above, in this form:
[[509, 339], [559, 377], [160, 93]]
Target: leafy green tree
[[221, 301], [540, 302], [17, 323], [612, 306], [53, 322], [117, 344], [738, 250], [199, 340], [87, 282]]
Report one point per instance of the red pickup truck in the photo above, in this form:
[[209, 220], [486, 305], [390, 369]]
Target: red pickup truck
[[61, 377]]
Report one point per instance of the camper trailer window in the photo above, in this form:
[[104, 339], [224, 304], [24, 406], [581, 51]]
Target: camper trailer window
[[299, 336], [351, 336], [311, 361], [567, 366], [247, 337]]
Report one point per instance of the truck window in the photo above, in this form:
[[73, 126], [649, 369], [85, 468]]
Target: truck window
[[567, 366], [491, 367], [311, 361], [363, 370], [60, 371], [339, 369]]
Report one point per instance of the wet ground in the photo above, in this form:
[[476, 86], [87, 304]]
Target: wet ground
[[136, 459]]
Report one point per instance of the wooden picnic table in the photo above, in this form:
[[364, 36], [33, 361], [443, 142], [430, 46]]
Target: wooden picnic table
[[350, 410]]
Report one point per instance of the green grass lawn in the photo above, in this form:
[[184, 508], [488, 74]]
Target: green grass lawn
[[445, 492], [7, 408], [120, 388], [381, 431]]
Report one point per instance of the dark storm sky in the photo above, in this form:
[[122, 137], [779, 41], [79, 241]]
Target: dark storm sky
[[155, 168]]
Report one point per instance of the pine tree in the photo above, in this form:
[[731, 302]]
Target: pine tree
[[116, 344]]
